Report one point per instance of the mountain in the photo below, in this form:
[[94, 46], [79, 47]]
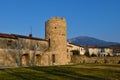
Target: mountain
[[90, 41]]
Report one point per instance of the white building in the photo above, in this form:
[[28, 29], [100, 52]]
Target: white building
[[71, 47], [100, 51], [94, 50]]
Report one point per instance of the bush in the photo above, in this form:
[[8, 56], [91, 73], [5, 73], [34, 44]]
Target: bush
[[108, 55], [105, 61], [93, 55], [76, 52], [119, 62], [96, 61]]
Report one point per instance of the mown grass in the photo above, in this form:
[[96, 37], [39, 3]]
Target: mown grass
[[69, 72]]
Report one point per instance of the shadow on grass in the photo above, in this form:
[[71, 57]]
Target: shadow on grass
[[65, 73], [62, 73], [23, 75], [47, 73]]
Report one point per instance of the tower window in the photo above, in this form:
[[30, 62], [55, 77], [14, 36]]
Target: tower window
[[55, 27], [53, 58], [49, 42]]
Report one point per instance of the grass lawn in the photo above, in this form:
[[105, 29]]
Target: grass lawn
[[69, 72]]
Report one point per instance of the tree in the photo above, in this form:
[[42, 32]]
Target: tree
[[108, 54], [87, 53], [119, 62]]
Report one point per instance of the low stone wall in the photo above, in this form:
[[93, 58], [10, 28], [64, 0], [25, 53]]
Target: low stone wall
[[84, 59]]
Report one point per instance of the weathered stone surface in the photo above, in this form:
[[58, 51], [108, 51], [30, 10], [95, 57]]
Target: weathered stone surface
[[21, 52], [84, 59], [18, 50], [56, 35]]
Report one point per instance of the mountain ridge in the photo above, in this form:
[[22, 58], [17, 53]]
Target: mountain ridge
[[91, 41]]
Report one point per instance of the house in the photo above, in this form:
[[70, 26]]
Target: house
[[100, 51], [71, 47], [116, 50]]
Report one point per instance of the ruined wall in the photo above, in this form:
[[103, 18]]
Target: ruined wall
[[9, 58], [22, 43], [6, 43], [84, 59], [31, 44], [21, 52]]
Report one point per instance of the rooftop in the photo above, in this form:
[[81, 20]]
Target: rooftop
[[16, 36]]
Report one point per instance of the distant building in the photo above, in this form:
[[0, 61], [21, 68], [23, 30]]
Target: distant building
[[116, 50], [71, 47], [100, 51]]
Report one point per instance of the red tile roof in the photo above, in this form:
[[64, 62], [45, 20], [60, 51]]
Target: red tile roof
[[97, 47], [16, 36], [75, 44], [7, 36], [93, 46]]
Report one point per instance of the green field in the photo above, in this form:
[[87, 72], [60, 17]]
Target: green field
[[69, 72]]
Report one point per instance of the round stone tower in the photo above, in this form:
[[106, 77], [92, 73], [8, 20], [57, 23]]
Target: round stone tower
[[56, 36]]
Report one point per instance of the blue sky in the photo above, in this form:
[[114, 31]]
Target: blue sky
[[95, 18]]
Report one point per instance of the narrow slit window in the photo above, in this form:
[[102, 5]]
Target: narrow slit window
[[53, 58]]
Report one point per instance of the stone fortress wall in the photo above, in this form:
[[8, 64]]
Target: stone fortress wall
[[19, 51]]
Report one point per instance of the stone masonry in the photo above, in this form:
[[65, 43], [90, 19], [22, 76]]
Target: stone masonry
[[56, 35], [19, 51]]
